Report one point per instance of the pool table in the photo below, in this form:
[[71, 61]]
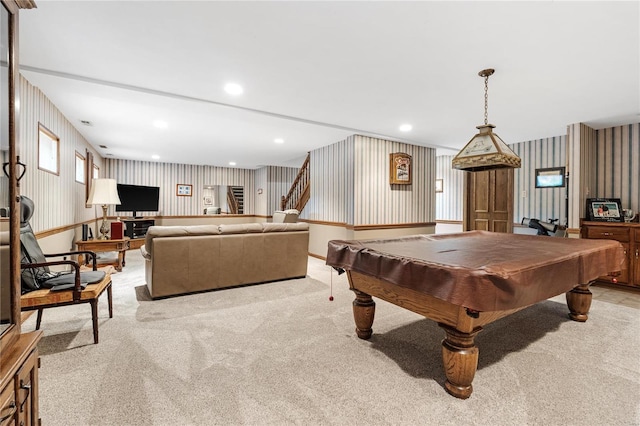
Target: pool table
[[466, 280]]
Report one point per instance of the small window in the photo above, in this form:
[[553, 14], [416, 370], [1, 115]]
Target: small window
[[96, 172], [48, 151], [80, 168]]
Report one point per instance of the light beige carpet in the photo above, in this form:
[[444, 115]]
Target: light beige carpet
[[281, 353]]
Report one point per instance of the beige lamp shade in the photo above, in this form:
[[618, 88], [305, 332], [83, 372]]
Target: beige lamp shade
[[103, 192]]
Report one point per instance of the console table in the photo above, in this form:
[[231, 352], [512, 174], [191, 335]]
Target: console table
[[100, 246]]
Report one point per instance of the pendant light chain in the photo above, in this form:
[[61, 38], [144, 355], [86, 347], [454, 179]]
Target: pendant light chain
[[486, 99]]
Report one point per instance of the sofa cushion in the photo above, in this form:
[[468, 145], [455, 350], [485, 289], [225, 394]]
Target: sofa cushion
[[285, 227], [240, 228], [177, 231]]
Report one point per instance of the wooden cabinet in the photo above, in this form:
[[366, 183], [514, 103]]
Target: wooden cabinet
[[629, 235], [19, 377]]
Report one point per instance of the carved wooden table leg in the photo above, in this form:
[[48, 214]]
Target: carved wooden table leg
[[579, 302], [460, 359], [364, 309]]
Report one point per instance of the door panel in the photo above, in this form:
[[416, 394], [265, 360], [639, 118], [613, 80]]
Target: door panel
[[489, 200]]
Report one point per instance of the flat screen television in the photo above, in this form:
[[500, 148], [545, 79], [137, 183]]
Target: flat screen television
[[138, 198]]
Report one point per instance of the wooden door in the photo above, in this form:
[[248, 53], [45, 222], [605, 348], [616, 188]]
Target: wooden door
[[488, 200]]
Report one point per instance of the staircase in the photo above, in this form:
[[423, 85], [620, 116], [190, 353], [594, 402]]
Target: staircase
[[300, 191], [235, 199]]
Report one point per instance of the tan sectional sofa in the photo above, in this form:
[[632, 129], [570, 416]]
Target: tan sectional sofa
[[187, 259]]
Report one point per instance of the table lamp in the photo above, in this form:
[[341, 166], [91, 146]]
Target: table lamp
[[103, 192]]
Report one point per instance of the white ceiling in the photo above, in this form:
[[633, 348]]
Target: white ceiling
[[316, 72]]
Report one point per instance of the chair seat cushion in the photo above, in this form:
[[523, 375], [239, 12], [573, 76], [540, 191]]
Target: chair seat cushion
[[66, 280]]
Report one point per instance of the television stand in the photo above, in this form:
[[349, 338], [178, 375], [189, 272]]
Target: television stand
[[136, 227]]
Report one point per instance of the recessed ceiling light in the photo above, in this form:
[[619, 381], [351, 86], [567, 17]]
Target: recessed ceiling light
[[160, 124], [86, 122], [278, 140], [155, 156], [232, 163], [233, 89], [406, 128]]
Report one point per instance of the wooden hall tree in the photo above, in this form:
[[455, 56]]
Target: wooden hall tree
[[488, 200], [19, 359]]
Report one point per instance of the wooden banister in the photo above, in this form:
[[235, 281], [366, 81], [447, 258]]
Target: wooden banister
[[300, 192]]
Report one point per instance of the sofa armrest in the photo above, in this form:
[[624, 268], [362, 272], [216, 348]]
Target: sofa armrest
[[145, 253]]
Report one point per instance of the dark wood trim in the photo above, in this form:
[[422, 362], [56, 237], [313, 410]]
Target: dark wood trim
[[323, 223], [391, 226], [449, 222]]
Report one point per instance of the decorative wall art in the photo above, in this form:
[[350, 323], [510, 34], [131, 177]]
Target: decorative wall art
[[400, 168], [183, 190]]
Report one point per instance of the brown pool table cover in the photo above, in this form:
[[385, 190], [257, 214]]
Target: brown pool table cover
[[483, 271]]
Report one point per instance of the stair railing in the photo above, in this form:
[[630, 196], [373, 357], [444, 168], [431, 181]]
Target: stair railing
[[299, 193]]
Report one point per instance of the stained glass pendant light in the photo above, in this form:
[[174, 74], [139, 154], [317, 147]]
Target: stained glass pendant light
[[485, 151]]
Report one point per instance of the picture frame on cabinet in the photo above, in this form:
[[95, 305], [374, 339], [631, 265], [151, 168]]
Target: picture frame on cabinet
[[604, 210]]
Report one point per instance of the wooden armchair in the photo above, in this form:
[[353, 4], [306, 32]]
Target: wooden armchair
[[43, 288]]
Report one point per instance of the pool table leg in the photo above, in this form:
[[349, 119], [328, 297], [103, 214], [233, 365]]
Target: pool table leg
[[364, 309], [579, 302], [460, 359]]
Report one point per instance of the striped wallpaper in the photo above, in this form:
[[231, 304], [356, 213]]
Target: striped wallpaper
[[449, 201], [376, 202], [278, 183], [59, 199], [582, 159], [261, 203], [532, 202], [168, 175], [617, 164], [331, 178], [350, 184]]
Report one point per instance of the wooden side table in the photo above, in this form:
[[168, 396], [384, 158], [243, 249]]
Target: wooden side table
[[100, 246]]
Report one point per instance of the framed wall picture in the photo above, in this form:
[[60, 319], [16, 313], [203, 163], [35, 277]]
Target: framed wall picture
[[604, 210], [550, 178], [183, 190], [439, 185], [208, 201], [400, 168]]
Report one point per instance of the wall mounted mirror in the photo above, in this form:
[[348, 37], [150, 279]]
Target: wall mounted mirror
[[223, 199]]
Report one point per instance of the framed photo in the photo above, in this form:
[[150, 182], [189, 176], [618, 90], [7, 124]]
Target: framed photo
[[183, 190], [439, 185], [604, 210], [400, 168], [208, 201], [550, 178]]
